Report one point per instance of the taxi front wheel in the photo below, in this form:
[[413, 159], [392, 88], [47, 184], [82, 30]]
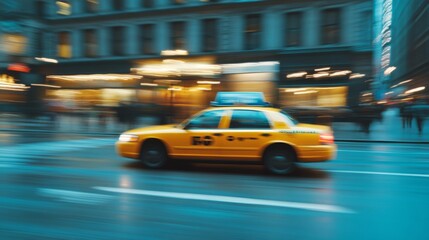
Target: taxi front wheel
[[279, 159], [154, 155]]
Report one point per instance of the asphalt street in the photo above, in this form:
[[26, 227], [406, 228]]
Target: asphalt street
[[56, 186]]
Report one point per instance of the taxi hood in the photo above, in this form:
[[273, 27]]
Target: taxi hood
[[156, 128]]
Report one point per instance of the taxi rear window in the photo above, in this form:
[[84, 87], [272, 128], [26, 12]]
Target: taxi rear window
[[288, 118], [248, 119]]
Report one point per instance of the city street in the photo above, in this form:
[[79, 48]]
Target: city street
[[57, 186]]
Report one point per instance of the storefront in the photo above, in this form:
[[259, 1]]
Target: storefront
[[186, 85], [339, 82], [73, 92]]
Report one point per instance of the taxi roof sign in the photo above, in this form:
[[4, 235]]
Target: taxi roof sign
[[255, 99]]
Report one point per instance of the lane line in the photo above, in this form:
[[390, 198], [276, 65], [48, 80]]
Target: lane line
[[372, 151], [74, 196], [227, 199], [382, 173]]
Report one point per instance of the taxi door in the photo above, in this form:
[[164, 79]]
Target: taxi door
[[199, 138], [245, 134]]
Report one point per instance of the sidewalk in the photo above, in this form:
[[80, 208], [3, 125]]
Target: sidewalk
[[69, 124], [388, 130]]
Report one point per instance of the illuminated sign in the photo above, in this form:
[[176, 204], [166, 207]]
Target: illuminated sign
[[386, 34], [18, 67]]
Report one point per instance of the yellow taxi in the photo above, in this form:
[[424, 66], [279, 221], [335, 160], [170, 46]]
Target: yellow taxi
[[253, 133]]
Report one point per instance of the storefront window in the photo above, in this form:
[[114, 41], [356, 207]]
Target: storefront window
[[314, 96]]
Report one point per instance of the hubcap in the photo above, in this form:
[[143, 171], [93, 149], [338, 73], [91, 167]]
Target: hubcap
[[280, 162], [153, 156]]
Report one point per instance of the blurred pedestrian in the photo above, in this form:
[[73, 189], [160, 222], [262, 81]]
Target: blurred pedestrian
[[408, 117], [419, 121], [420, 110], [51, 111], [403, 116], [102, 117]]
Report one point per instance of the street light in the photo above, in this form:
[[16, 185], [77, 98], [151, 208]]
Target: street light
[[389, 70]]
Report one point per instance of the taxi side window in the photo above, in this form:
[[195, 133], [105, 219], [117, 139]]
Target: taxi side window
[[207, 120], [248, 119]]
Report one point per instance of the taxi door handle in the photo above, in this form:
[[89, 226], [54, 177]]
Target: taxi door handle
[[265, 134], [217, 134]]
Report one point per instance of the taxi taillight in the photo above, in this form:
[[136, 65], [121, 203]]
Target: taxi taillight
[[326, 138]]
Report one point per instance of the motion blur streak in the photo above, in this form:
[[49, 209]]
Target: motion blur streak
[[226, 199], [383, 173], [74, 197]]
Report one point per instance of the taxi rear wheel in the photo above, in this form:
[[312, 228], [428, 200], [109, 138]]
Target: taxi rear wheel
[[280, 159], [153, 154]]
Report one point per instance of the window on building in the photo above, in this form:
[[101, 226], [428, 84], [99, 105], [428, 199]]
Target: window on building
[[210, 35], [252, 34], [293, 29], [147, 39], [178, 2], [13, 43], [147, 3], [330, 26], [39, 44], [90, 43], [178, 33], [91, 6], [64, 45], [249, 119], [63, 7], [40, 9], [117, 41], [367, 28], [118, 5]]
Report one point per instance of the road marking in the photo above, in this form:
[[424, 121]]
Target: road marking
[[372, 151], [227, 199], [382, 173], [74, 196]]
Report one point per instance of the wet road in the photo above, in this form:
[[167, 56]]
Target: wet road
[[76, 187]]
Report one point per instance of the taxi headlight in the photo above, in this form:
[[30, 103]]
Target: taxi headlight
[[128, 138]]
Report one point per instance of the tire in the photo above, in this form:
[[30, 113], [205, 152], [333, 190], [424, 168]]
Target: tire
[[279, 159], [154, 155]]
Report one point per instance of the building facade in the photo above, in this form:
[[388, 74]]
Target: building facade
[[20, 43], [113, 36], [410, 48]]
